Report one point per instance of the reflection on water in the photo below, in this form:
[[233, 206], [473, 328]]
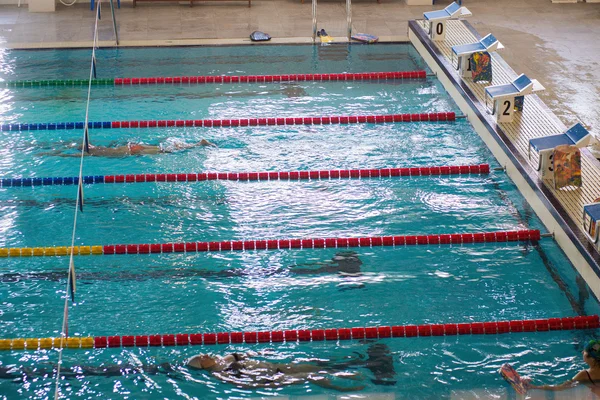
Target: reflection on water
[[278, 289]]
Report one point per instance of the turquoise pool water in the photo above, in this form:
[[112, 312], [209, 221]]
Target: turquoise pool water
[[286, 289]]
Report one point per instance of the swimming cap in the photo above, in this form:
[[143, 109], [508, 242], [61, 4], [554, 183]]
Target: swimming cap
[[593, 349]]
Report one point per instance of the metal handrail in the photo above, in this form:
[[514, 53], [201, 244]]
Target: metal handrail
[[314, 20], [349, 17], [112, 10]]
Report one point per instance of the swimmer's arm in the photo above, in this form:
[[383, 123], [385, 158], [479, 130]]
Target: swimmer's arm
[[580, 377], [248, 354], [243, 356], [194, 363], [235, 357], [251, 354], [556, 388]]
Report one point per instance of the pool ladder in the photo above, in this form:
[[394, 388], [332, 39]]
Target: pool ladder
[[348, 20]]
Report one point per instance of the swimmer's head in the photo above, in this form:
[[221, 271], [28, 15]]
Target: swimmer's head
[[592, 350], [202, 361]]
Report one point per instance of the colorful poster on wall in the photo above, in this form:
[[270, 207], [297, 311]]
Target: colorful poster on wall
[[567, 166], [481, 67]]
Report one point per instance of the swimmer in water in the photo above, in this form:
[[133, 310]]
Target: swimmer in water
[[378, 360], [243, 371], [133, 149], [238, 369], [289, 91], [589, 377], [344, 263], [19, 373]]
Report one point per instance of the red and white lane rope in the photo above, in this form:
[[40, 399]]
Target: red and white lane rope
[[309, 335], [360, 76]]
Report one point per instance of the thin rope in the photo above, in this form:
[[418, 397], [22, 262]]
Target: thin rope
[[63, 332]]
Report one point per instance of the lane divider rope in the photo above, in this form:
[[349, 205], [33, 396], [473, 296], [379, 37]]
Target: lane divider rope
[[276, 244], [252, 176], [308, 335], [215, 123], [361, 76]]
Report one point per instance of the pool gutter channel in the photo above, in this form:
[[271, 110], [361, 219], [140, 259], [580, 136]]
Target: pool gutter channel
[[106, 44], [582, 254]]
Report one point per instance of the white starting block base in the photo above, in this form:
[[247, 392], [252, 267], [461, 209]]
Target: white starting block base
[[504, 109], [438, 30], [546, 167], [464, 66], [42, 5]]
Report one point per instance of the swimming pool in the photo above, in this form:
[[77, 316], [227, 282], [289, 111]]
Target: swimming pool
[[281, 289]]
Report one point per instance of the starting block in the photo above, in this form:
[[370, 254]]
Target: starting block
[[591, 222], [437, 19], [559, 158], [464, 54], [509, 98]]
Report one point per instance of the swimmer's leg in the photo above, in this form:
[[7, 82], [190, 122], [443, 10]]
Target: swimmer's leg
[[353, 376], [328, 269], [185, 146], [145, 149], [59, 153], [352, 361], [205, 142], [297, 368], [51, 153], [106, 371], [327, 384], [381, 364], [9, 373]]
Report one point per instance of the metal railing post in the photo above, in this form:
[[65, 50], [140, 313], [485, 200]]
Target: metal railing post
[[112, 10], [314, 20], [349, 18]]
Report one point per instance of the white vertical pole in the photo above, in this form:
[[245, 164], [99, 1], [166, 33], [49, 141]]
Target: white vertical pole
[[349, 17], [314, 20]]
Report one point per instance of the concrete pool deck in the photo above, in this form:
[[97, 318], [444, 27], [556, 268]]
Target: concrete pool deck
[[555, 43]]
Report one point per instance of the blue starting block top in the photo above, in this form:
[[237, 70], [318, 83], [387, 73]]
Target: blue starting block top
[[452, 11], [488, 43], [593, 210], [549, 142], [522, 82], [516, 88], [467, 48], [576, 135]]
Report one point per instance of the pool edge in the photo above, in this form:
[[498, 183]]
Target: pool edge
[[567, 234], [187, 42]]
